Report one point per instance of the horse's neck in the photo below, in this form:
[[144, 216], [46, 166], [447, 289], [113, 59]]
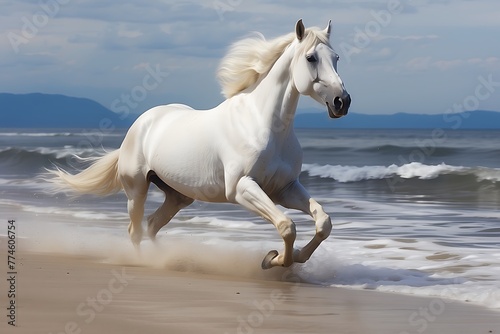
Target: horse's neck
[[276, 97]]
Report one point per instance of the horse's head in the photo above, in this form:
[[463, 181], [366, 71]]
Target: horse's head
[[314, 70]]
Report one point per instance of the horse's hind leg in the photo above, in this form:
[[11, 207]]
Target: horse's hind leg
[[174, 202], [136, 189]]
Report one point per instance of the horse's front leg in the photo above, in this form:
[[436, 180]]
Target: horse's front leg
[[251, 196], [296, 197]]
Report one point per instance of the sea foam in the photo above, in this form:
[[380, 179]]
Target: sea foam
[[406, 171]]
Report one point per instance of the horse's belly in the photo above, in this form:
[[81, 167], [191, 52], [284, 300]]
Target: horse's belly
[[187, 161], [202, 192], [190, 173]]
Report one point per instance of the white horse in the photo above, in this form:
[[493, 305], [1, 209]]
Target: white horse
[[242, 151]]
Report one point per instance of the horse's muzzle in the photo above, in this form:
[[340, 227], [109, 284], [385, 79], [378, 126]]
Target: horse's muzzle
[[340, 106]]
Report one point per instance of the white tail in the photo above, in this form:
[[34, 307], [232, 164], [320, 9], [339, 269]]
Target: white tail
[[101, 178]]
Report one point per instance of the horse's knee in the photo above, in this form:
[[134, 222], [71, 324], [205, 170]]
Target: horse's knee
[[324, 228]]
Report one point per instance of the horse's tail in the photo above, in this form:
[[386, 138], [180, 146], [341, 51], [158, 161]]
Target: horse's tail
[[101, 178]]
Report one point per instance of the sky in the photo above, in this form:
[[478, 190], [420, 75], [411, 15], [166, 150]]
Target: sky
[[415, 56]]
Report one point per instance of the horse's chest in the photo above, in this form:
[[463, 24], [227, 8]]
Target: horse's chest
[[276, 166]]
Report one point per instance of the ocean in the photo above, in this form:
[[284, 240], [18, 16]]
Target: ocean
[[414, 212]]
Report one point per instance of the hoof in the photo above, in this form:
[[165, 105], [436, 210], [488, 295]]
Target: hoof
[[266, 263]]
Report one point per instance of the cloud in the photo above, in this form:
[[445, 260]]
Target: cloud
[[99, 48], [134, 11], [363, 49], [418, 63], [426, 63], [407, 38], [445, 65], [490, 63]]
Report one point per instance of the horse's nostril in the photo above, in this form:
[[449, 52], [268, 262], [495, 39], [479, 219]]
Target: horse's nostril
[[348, 100], [337, 103]]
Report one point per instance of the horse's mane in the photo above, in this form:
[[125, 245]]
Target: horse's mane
[[249, 59]]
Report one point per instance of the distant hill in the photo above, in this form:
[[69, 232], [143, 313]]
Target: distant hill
[[58, 111], [55, 111], [478, 119]]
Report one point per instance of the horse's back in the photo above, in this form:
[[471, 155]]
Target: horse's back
[[161, 113], [132, 147], [177, 143]]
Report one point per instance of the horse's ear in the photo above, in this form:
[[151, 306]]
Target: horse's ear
[[300, 29], [328, 28]]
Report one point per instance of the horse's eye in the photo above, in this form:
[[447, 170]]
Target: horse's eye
[[311, 58]]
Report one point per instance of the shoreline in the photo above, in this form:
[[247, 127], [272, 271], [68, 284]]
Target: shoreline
[[80, 294]]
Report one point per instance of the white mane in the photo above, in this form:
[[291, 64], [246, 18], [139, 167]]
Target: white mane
[[249, 59]]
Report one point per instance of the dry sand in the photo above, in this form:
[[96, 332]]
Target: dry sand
[[74, 294]]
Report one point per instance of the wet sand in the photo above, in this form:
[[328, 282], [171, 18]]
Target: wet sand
[[80, 294]]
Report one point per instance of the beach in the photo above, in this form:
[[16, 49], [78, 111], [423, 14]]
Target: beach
[[75, 294], [414, 247]]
